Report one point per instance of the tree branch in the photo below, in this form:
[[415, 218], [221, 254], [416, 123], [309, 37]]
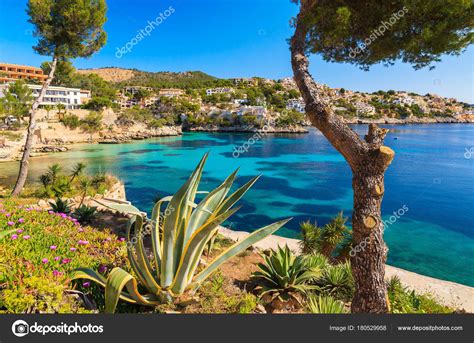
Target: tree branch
[[319, 112]]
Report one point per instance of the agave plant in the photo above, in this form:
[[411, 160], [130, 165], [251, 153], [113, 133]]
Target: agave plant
[[337, 280], [85, 214], [324, 304], [186, 230], [60, 206], [283, 275]]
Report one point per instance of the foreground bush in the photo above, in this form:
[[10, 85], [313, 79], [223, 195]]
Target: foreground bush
[[37, 259]]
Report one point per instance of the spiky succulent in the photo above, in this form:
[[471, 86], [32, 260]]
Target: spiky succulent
[[179, 237], [283, 274]]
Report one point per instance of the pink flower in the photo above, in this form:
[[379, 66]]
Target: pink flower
[[57, 273], [45, 260], [81, 242], [51, 212], [7, 215], [53, 247], [66, 260], [121, 239], [14, 236], [21, 220], [57, 258], [10, 223], [19, 231], [102, 268], [86, 284], [26, 237], [73, 249]]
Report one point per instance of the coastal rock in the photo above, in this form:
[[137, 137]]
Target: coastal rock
[[264, 130]]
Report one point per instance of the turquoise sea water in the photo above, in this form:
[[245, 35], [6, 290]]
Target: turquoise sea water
[[305, 178]]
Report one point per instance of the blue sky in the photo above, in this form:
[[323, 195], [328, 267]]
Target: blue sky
[[228, 38]]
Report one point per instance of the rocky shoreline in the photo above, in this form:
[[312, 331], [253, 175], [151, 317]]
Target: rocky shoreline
[[413, 120], [114, 138], [248, 129]]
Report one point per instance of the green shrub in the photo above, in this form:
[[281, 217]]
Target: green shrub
[[319, 304], [92, 122], [403, 300], [71, 121]]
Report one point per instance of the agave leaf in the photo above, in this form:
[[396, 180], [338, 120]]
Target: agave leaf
[[206, 208], [155, 231], [191, 250], [116, 281], [175, 223], [122, 208], [238, 247], [239, 193], [89, 274], [142, 259], [6, 233]]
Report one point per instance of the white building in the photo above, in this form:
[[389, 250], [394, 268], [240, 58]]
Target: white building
[[404, 100], [296, 104], [364, 109], [219, 90], [259, 112], [71, 98]]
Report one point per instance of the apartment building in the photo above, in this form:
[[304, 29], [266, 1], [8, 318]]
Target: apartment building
[[170, 92], [71, 98], [296, 104], [12, 72], [219, 90]]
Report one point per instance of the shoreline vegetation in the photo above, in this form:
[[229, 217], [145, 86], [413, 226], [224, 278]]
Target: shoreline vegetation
[[218, 295]]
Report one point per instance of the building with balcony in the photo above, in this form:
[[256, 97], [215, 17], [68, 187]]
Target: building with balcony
[[71, 98], [12, 72], [170, 92]]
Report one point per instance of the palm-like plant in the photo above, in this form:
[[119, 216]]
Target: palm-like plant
[[332, 240], [186, 230], [76, 171], [282, 275], [324, 305], [53, 172]]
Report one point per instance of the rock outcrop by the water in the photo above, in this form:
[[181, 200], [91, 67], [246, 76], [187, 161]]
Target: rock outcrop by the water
[[266, 129]]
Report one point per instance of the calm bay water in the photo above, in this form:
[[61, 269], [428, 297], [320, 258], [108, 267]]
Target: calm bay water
[[305, 178]]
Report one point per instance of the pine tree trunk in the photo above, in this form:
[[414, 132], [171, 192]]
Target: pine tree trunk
[[368, 159], [368, 262], [24, 163]]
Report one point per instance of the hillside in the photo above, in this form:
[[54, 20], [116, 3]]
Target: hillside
[[188, 79], [110, 74]]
